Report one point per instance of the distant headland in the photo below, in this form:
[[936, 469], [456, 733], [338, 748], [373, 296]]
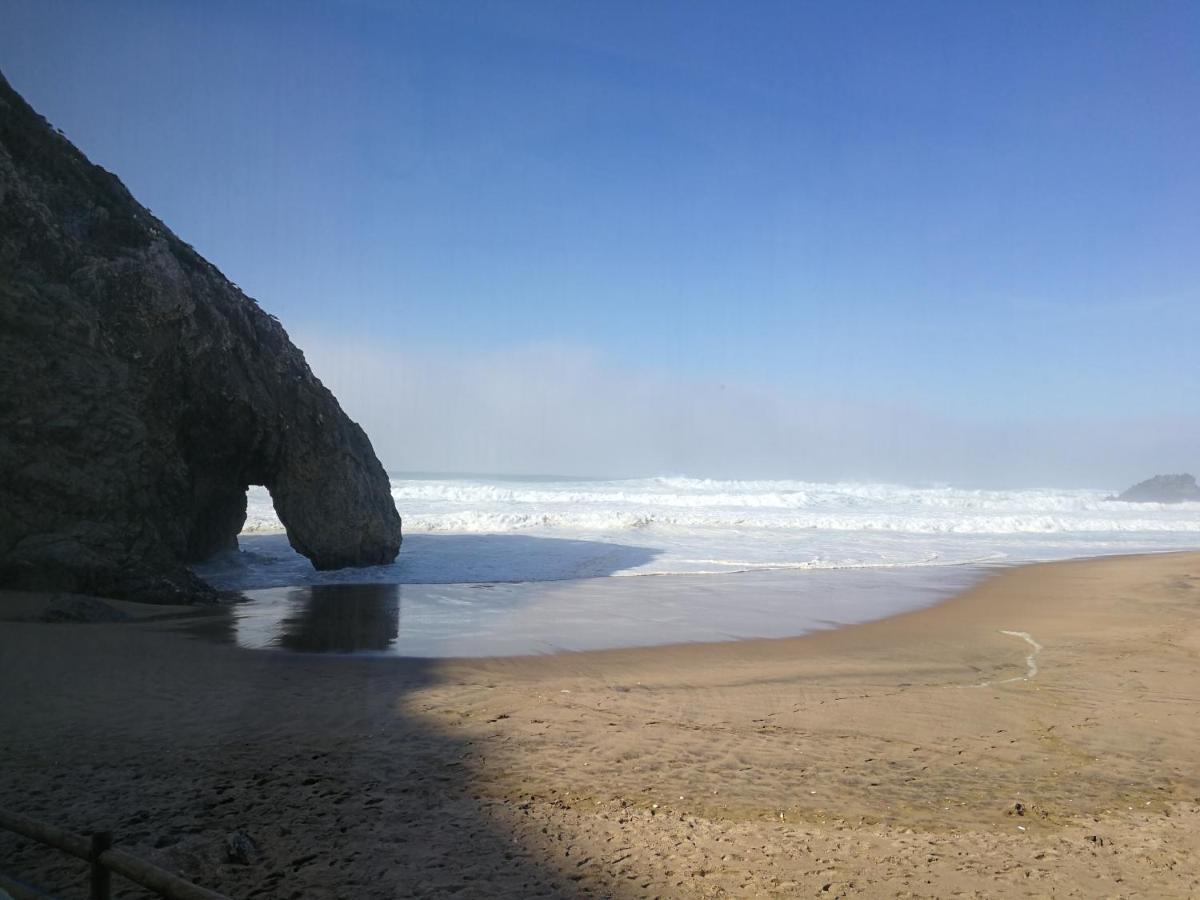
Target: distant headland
[[1162, 489]]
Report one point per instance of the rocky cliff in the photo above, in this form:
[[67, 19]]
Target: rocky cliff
[[1162, 489], [141, 393]]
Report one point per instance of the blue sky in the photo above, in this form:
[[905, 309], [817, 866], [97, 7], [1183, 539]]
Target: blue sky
[[987, 215]]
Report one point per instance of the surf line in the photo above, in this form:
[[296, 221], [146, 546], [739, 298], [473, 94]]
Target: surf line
[[1031, 667]]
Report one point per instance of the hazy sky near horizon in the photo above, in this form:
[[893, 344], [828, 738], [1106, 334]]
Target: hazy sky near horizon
[[915, 241]]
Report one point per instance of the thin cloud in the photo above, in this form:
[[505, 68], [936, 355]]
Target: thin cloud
[[560, 409]]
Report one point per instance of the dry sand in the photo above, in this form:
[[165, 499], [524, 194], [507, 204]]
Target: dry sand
[[878, 760]]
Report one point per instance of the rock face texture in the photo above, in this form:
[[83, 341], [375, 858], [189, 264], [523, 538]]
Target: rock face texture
[[141, 393], [1163, 489]]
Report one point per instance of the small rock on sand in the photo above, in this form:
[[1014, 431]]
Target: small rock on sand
[[240, 848]]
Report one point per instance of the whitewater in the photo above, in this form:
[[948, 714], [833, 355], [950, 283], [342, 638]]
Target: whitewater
[[566, 561], [678, 525]]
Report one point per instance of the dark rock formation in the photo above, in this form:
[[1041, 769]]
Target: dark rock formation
[[81, 608], [241, 849], [141, 393], [1163, 489], [34, 606]]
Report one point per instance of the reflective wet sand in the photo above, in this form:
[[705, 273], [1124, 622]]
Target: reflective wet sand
[[473, 620]]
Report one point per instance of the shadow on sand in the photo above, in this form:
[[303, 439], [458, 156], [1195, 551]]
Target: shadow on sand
[[344, 771]]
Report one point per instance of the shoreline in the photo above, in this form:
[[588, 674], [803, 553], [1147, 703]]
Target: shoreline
[[480, 621], [29, 607], [908, 754], [630, 654], [735, 586]]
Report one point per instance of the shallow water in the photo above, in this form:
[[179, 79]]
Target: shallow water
[[472, 620]]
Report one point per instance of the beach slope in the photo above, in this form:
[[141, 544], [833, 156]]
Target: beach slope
[[1034, 736]]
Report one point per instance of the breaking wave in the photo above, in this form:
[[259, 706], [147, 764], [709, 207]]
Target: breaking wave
[[478, 506], [476, 530]]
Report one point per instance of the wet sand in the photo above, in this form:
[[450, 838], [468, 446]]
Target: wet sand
[[537, 618], [1037, 735]]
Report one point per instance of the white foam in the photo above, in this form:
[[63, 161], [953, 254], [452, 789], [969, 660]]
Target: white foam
[[679, 525], [1031, 667]]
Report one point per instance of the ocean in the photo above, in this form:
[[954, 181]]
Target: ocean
[[494, 564]]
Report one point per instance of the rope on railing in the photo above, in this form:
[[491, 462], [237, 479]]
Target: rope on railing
[[98, 851]]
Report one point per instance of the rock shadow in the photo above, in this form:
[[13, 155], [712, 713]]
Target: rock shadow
[[337, 770]]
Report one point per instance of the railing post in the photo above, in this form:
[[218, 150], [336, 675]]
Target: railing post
[[101, 878]]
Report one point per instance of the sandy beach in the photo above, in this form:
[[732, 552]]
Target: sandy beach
[[1035, 736]]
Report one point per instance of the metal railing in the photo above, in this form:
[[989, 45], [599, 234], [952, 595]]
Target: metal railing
[[104, 859]]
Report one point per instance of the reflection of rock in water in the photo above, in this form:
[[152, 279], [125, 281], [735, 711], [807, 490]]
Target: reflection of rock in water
[[341, 618]]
